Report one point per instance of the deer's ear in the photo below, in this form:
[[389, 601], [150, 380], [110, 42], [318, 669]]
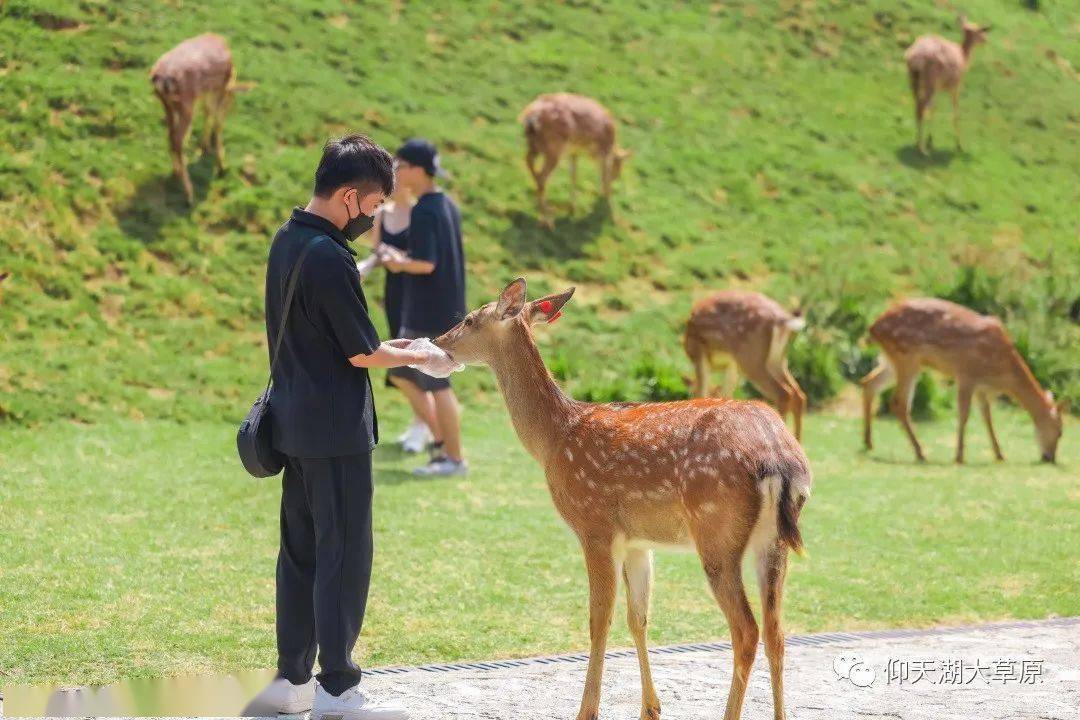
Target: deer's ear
[[512, 300], [549, 307]]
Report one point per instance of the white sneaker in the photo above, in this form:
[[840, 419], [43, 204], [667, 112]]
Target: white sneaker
[[441, 466], [408, 432], [416, 438], [281, 697], [354, 704]]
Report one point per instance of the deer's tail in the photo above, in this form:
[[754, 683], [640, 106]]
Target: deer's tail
[[785, 488], [164, 85]]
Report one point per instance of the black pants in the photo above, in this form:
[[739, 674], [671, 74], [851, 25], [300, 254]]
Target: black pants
[[324, 567]]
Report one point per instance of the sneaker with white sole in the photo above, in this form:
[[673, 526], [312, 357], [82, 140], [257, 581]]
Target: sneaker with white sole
[[416, 438], [442, 466], [354, 704], [281, 697]]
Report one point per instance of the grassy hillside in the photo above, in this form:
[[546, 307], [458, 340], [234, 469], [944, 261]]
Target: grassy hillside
[[772, 149]]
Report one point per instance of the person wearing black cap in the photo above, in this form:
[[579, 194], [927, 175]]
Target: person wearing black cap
[[434, 296], [323, 420]]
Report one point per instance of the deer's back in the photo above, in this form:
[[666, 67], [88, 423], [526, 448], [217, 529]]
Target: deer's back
[[940, 60], [639, 468], [727, 318], [944, 335], [570, 119], [196, 65]]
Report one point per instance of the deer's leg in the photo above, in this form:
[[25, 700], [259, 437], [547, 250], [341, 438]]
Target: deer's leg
[[202, 107], [963, 407], [221, 109], [178, 129], [698, 353], [984, 408], [573, 181], [551, 160], [731, 378], [798, 400], [873, 383], [768, 386], [600, 564], [607, 170], [901, 404], [724, 570], [771, 569], [637, 573], [955, 92]]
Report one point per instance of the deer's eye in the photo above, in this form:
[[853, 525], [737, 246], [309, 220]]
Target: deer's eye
[[468, 322]]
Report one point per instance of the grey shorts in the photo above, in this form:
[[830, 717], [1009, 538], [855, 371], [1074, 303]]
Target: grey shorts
[[417, 378]]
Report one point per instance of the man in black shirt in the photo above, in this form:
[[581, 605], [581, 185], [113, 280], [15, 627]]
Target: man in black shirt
[[434, 295], [324, 421]]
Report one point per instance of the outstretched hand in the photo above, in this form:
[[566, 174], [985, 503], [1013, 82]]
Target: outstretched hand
[[437, 363]]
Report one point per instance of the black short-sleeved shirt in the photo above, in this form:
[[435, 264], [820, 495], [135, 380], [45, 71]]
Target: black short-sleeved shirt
[[320, 405], [434, 303]]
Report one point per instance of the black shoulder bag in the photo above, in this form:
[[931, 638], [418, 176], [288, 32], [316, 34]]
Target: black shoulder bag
[[253, 440]]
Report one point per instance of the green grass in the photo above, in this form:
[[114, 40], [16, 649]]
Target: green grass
[[772, 149], [141, 548]]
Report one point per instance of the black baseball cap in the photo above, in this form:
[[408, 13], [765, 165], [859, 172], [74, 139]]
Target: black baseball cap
[[421, 153]]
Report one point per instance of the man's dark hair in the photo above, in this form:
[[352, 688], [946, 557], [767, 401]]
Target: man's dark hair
[[354, 160]]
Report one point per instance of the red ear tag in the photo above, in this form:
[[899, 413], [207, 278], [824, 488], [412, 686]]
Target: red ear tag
[[546, 306], [554, 317]]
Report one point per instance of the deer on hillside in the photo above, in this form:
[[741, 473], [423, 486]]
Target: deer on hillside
[[972, 348], [722, 477], [935, 63], [561, 122], [745, 331], [199, 68]]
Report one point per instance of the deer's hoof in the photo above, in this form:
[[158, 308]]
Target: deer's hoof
[[650, 713]]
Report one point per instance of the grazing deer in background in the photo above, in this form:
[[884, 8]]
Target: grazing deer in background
[[752, 331], [935, 63], [199, 68], [722, 477], [559, 122], [972, 348]]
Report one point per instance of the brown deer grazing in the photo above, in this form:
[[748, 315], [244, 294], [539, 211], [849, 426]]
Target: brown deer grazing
[[935, 63], [722, 477], [559, 122], [972, 348], [198, 68], [749, 332]]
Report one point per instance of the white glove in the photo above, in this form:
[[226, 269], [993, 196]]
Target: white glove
[[438, 364], [368, 264]]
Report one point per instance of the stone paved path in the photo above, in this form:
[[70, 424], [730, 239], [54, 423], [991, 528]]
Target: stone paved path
[[692, 681], [693, 684]]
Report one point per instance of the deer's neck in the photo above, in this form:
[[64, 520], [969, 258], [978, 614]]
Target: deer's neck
[[967, 46], [538, 408], [1026, 389]]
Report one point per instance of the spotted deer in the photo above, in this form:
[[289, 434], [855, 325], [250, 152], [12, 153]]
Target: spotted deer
[[720, 477], [561, 122], [198, 69], [972, 348], [748, 332], [935, 63]]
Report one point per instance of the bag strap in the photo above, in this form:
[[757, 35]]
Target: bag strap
[[294, 278]]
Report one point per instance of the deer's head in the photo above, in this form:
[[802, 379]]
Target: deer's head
[[973, 34], [483, 331], [1049, 427]]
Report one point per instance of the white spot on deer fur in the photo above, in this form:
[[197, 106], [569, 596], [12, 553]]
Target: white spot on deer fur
[[708, 507], [724, 452], [569, 455], [590, 484]]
